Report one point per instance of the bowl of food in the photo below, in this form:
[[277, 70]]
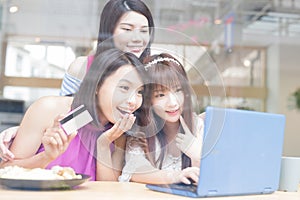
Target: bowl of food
[[56, 178]]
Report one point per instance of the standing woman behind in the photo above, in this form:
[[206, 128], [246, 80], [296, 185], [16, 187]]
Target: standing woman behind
[[124, 24]]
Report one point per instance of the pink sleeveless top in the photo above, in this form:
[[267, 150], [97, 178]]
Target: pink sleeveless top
[[90, 60], [80, 154]]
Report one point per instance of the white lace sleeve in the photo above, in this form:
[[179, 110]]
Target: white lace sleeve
[[135, 161]]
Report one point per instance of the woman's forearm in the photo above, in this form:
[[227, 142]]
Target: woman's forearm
[[40, 160], [156, 177], [187, 176], [105, 168]]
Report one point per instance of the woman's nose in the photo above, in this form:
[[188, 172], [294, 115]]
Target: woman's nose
[[132, 100], [136, 35], [172, 100]]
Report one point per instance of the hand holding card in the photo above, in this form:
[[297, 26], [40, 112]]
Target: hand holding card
[[75, 120]]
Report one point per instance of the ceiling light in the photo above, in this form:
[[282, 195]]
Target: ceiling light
[[218, 21], [247, 63], [13, 9], [37, 40]]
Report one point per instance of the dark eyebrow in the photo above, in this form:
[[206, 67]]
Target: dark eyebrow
[[129, 82], [125, 80], [133, 25]]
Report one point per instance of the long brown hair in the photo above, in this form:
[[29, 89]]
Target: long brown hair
[[165, 71]]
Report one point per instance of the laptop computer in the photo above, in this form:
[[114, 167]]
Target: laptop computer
[[241, 155]]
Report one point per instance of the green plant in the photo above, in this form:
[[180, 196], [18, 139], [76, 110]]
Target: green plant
[[296, 96]]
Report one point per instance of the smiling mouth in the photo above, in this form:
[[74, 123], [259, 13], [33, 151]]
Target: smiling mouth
[[136, 51], [123, 112], [135, 48], [172, 112]]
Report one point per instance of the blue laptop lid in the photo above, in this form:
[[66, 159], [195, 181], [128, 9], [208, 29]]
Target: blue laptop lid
[[241, 152]]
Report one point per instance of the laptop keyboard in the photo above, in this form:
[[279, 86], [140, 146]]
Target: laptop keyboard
[[181, 186]]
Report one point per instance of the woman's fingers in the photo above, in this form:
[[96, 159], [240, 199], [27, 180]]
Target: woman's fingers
[[9, 134], [56, 136], [194, 176], [122, 125], [6, 154], [57, 120], [6, 138], [55, 140], [61, 139], [48, 139], [127, 122], [190, 175]]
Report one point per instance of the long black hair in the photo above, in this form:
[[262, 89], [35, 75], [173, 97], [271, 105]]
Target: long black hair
[[102, 67], [111, 14]]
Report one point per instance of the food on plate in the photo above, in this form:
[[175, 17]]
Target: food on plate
[[55, 173]]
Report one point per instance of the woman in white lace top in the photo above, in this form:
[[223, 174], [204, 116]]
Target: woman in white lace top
[[168, 150]]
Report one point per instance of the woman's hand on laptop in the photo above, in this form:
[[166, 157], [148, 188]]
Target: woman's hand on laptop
[[189, 175], [6, 138]]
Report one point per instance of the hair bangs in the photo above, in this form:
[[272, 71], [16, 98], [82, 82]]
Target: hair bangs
[[164, 78]]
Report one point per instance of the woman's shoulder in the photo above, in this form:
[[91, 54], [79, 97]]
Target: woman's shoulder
[[44, 110], [52, 103], [78, 67]]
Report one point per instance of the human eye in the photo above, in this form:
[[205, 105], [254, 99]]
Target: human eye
[[159, 94], [141, 91], [126, 28], [179, 89], [144, 30], [124, 88]]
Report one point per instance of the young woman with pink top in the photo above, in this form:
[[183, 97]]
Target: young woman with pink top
[[112, 91]]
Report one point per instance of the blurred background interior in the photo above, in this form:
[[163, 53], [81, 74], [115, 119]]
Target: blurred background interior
[[238, 53]]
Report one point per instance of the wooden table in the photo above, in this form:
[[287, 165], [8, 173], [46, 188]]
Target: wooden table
[[122, 191]]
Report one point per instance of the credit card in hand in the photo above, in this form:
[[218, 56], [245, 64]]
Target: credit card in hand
[[75, 120]]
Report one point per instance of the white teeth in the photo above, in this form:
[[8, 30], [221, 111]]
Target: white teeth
[[123, 111], [135, 48]]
